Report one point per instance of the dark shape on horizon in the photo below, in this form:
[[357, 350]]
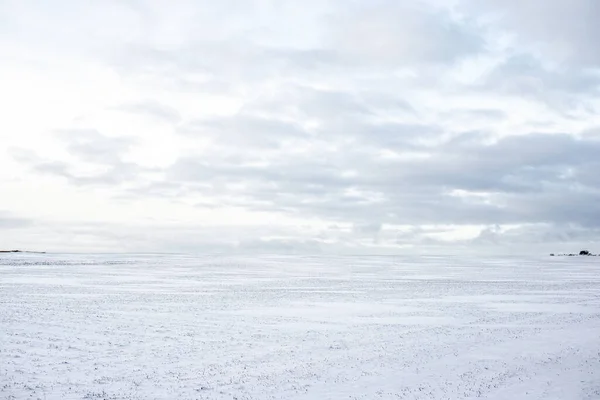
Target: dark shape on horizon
[[22, 251], [581, 253]]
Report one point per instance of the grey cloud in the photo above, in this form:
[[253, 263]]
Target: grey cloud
[[487, 167], [588, 177], [555, 237], [307, 60], [393, 102], [591, 134], [353, 39], [524, 175], [91, 145], [357, 118], [562, 88], [563, 205], [88, 146], [113, 238], [565, 30], [515, 171], [289, 246], [57, 168], [315, 103], [371, 228], [335, 112], [394, 136], [114, 174], [341, 117], [404, 32], [157, 237], [223, 66], [153, 109], [245, 130], [9, 221], [36, 163], [478, 114], [303, 172]]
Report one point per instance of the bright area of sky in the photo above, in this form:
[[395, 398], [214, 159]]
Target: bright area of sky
[[363, 126]]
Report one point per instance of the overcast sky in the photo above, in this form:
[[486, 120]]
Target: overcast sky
[[336, 126]]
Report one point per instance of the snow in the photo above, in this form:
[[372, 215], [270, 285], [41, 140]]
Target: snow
[[292, 327]]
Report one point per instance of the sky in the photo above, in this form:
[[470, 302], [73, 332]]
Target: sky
[[307, 127]]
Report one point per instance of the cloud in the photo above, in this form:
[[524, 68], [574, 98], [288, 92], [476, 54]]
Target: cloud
[[562, 30], [402, 33], [9, 221], [553, 237], [322, 42], [288, 246], [91, 145], [102, 158], [563, 88], [245, 130], [519, 179], [154, 109], [371, 126]]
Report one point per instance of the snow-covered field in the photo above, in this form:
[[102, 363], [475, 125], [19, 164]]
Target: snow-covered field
[[181, 327]]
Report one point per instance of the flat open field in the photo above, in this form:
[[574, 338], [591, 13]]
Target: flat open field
[[182, 327]]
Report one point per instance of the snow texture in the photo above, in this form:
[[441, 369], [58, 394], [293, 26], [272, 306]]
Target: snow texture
[[224, 327]]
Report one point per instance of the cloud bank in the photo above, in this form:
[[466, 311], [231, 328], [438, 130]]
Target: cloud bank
[[372, 127]]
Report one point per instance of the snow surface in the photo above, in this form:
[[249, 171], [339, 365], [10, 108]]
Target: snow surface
[[212, 327]]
